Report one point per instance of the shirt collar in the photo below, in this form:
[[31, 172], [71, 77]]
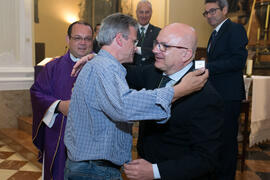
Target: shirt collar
[[73, 58], [145, 27], [179, 74], [219, 26], [106, 54]]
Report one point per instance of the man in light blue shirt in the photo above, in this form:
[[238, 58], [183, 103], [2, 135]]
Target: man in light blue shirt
[[98, 133]]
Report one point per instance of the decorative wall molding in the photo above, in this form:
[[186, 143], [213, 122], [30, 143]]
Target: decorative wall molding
[[16, 78]]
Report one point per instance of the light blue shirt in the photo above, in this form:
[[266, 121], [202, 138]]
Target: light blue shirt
[[175, 78], [101, 107], [178, 75]]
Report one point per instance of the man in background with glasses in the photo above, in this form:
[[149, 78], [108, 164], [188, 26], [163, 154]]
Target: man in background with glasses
[[188, 144], [50, 96], [226, 59]]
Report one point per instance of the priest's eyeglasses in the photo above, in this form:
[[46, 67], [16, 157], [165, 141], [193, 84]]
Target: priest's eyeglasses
[[212, 12], [79, 38], [163, 47]]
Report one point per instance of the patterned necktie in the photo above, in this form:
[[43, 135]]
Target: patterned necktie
[[212, 39], [164, 81], [141, 37], [142, 33]]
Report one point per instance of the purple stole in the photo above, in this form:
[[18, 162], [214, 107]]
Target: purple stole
[[53, 83]]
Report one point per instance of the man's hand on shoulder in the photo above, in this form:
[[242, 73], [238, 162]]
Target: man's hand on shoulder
[[79, 64], [139, 169], [192, 82]]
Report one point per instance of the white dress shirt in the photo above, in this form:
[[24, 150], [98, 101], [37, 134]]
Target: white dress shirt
[[139, 48]]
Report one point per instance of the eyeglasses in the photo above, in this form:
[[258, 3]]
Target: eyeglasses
[[79, 38], [135, 42], [163, 47], [211, 12]]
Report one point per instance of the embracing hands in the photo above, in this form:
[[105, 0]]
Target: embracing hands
[[192, 82], [139, 169]]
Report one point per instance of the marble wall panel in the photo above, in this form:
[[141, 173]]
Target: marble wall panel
[[14, 104]]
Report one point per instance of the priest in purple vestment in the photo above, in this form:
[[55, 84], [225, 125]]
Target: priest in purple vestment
[[50, 96]]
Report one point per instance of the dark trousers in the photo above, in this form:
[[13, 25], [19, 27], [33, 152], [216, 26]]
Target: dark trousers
[[229, 149]]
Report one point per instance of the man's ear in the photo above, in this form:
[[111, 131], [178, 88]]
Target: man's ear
[[67, 39], [119, 39], [225, 10], [188, 55]]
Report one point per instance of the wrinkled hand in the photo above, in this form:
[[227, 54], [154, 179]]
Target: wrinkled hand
[[63, 107], [79, 64], [139, 169], [192, 82]]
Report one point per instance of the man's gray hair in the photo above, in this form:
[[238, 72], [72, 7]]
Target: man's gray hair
[[114, 24], [146, 2], [221, 3]]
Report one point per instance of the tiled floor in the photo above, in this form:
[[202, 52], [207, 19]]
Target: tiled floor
[[257, 163], [14, 167]]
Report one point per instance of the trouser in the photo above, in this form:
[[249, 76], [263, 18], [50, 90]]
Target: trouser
[[91, 170], [229, 149]]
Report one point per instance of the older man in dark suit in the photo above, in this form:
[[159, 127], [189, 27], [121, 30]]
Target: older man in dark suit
[[227, 55], [147, 33], [188, 145]]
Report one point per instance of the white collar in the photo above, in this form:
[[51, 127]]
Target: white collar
[[179, 74], [73, 58], [145, 27], [219, 26]]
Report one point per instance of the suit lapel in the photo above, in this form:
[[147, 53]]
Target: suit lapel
[[152, 76], [223, 29], [138, 34], [147, 35], [149, 32], [183, 98], [190, 69]]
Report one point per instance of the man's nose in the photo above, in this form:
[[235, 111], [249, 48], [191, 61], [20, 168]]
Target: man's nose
[[208, 15], [143, 14], [155, 50]]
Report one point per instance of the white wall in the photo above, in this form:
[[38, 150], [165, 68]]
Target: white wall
[[54, 18], [16, 46], [190, 12]]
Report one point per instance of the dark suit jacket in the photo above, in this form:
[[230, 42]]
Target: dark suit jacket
[[227, 59], [96, 46], [147, 56], [187, 146]]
